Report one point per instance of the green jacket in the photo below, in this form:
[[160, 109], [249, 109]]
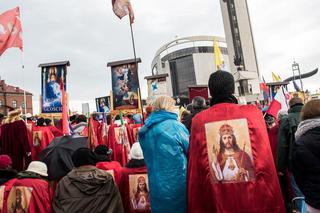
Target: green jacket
[[287, 128]]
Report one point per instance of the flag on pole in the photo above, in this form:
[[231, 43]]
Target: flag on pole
[[275, 77], [217, 55], [122, 8], [10, 30], [279, 102], [65, 120]]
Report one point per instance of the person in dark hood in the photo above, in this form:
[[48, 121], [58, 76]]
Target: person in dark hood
[[6, 171], [198, 104], [306, 155], [86, 188]]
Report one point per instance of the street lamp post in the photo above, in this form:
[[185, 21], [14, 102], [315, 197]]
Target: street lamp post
[[295, 68]]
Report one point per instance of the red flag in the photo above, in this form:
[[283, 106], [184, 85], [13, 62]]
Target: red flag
[[122, 8], [65, 121], [10, 30]]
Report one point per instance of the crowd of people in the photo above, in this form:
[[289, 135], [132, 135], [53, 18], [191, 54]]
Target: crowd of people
[[212, 157]]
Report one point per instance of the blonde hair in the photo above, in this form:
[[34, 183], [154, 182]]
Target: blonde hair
[[163, 103]]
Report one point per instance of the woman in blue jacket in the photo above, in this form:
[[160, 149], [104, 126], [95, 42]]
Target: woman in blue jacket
[[165, 141]]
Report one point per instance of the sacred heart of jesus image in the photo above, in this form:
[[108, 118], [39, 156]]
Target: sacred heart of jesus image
[[229, 151]]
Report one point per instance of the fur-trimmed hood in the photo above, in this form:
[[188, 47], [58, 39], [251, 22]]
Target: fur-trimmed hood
[[306, 125]]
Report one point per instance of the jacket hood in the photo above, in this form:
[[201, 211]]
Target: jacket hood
[[157, 117], [89, 180], [295, 108], [305, 126]]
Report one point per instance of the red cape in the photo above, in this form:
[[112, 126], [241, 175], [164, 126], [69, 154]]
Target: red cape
[[132, 130], [4, 192], [206, 194], [125, 190], [46, 138], [55, 131], [41, 194], [273, 137], [14, 142], [119, 150], [112, 165]]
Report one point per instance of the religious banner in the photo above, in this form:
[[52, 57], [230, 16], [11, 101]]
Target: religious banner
[[157, 85], [51, 94], [103, 104], [125, 85], [229, 151], [198, 90]]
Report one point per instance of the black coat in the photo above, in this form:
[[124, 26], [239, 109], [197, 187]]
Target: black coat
[[7, 174], [306, 165]]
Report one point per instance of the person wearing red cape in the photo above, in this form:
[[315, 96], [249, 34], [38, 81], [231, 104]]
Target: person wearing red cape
[[133, 176], [230, 167], [105, 161], [14, 140], [41, 138]]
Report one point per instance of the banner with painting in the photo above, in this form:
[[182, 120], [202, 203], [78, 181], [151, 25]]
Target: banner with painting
[[125, 86], [103, 104], [51, 98]]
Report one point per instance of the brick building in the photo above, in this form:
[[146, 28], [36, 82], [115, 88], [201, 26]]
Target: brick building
[[11, 97]]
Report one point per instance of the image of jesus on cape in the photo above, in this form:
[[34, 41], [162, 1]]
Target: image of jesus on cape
[[231, 164]]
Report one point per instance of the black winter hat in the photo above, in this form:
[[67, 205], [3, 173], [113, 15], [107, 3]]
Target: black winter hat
[[221, 83], [84, 156]]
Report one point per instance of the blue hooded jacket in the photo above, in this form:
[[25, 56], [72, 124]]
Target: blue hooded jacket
[[165, 142]]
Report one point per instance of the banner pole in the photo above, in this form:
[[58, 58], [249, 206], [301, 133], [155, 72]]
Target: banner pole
[[135, 61], [22, 69]]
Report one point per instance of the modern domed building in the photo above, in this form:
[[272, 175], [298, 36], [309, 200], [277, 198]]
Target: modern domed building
[[186, 62]]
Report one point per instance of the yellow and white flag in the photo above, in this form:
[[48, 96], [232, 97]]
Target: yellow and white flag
[[275, 77]]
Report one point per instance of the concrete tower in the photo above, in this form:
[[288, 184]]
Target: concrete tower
[[241, 49]]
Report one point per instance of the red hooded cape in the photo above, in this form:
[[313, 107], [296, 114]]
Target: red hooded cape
[[205, 194]]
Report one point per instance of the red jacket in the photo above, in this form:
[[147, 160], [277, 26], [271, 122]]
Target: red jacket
[[128, 197], [230, 166], [30, 195]]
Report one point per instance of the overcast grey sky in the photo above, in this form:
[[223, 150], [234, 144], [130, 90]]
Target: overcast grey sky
[[89, 35]]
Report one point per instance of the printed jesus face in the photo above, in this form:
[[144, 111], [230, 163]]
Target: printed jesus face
[[227, 141], [229, 151]]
